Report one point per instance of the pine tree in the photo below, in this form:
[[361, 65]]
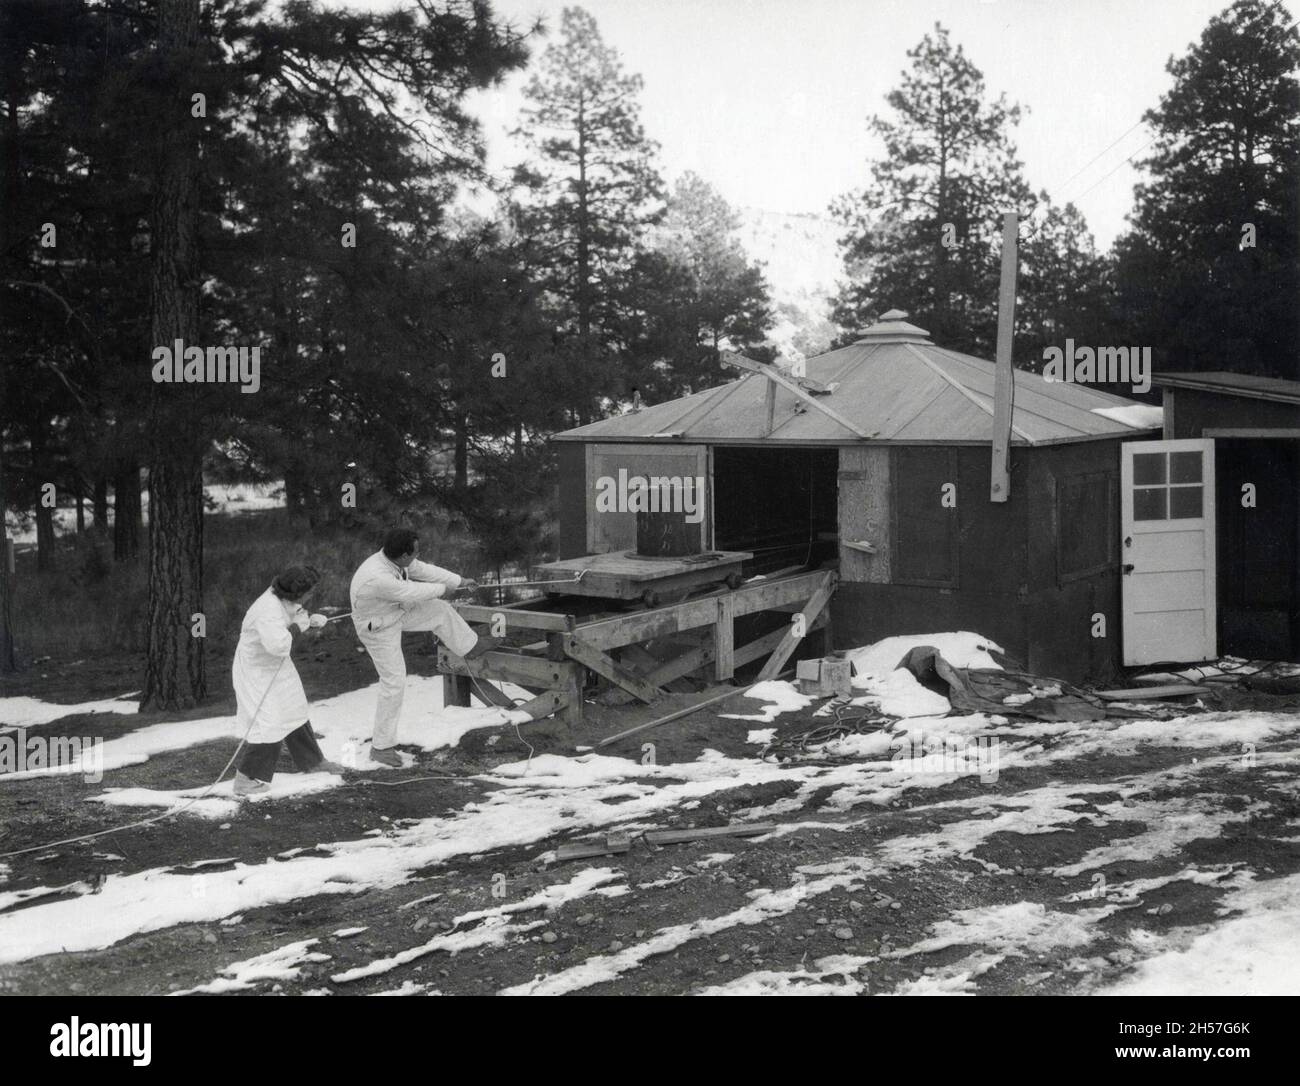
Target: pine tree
[[591, 187], [924, 235], [1208, 274]]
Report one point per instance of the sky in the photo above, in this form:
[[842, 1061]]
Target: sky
[[768, 99]]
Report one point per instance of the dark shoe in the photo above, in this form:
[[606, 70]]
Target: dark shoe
[[482, 645], [388, 756]]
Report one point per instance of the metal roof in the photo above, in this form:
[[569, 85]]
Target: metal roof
[[894, 384], [1277, 389]]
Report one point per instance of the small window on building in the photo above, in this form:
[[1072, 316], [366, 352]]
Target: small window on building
[[1085, 525], [924, 484], [1168, 486]]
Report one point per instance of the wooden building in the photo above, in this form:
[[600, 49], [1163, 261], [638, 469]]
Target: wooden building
[[877, 457], [1236, 565]]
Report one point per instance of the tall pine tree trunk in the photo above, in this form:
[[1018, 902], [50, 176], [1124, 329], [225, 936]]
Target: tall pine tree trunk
[[45, 557], [462, 452], [101, 504], [128, 517], [174, 665]]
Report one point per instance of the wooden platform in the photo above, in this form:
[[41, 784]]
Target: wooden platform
[[612, 651], [625, 575]]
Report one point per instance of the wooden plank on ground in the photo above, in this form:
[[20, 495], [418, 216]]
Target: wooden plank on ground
[[1145, 693], [674, 837]]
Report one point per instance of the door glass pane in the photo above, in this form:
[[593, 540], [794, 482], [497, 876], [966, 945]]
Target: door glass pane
[[1185, 467], [1149, 504], [1148, 469], [1184, 501]]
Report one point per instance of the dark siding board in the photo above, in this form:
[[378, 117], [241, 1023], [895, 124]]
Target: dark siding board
[[571, 458], [1198, 411], [925, 530], [993, 545], [863, 613]]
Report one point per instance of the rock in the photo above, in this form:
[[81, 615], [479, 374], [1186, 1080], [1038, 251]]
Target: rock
[[895, 904], [208, 937], [821, 921], [844, 933], [549, 937], [856, 906], [616, 946], [640, 933], [1165, 909], [722, 958], [420, 923], [585, 919], [810, 931], [224, 826]]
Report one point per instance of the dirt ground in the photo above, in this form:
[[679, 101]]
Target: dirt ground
[[879, 911]]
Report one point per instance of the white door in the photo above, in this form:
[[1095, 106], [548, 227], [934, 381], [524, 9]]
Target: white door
[[1167, 551]]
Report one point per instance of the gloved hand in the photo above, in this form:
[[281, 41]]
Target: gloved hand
[[467, 585], [316, 621], [301, 620]]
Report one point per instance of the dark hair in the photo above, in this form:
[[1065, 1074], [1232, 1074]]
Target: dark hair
[[295, 582], [399, 542]]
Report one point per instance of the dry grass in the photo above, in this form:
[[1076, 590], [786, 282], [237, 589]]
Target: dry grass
[[91, 604]]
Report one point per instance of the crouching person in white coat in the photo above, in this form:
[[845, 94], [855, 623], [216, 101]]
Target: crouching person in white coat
[[272, 705], [393, 591]]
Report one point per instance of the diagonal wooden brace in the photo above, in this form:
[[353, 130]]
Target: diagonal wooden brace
[[790, 642], [605, 666]]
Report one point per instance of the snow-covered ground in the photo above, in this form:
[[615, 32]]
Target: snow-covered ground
[[1152, 816]]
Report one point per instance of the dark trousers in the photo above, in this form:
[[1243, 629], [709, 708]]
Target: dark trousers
[[258, 760]]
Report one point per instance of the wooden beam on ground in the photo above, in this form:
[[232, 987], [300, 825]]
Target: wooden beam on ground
[[737, 361], [674, 837], [591, 657], [1147, 693], [790, 642]]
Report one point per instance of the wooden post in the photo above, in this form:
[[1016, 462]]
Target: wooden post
[[1004, 375], [724, 639]]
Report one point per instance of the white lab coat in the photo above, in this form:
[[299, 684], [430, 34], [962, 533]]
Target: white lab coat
[[266, 682]]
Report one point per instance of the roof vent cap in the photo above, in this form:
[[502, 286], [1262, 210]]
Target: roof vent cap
[[892, 327]]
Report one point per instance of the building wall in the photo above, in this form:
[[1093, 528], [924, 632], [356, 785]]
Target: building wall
[[1009, 584], [1189, 412]]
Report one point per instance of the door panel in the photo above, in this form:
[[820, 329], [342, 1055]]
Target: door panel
[[1167, 550]]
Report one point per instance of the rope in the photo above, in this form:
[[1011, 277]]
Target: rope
[[174, 811], [849, 720]]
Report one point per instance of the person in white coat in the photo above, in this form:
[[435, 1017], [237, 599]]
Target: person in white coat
[[392, 591], [272, 705]]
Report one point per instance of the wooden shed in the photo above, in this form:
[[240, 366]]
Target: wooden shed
[[1236, 563], [877, 457]]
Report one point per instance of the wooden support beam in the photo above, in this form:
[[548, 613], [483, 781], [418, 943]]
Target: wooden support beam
[[603, 665], [761, 646], [515, 618], [737, 361], [530, 671], [1004, 373], [790, 642], [724, 639], [455, 690], [489, 693], [691, 660], [771, 407]]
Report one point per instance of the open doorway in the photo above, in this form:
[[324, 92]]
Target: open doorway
[[1259, 547], [779, 503]]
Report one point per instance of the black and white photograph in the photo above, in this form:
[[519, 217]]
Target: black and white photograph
[[623, 498]]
